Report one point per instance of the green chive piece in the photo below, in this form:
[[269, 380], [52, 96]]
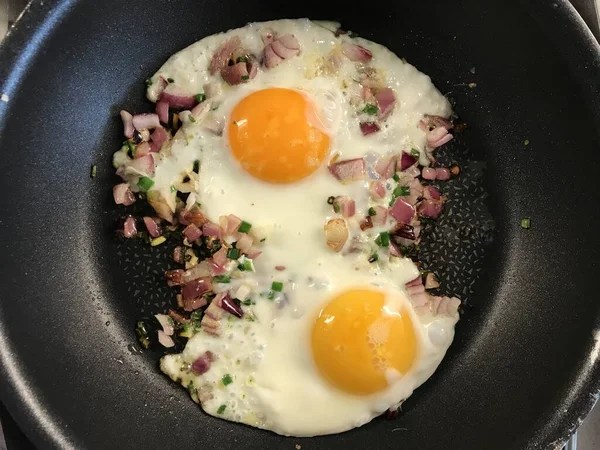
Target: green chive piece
[[233, 253], [192, 118], [197, 166], [200, 97], [227, 379], [244, 227], [277, 286], [242, 59], [246, 266], [248, 302], [383, 240], [173, 188], [392, 201], [374, 257], [145, 183], [148, 82], [396, 177], [330, 200], [370, 109], [221, 409], [222, 279], [372, 211], [245, 77], [401, 191], [94, 171], [271, 295], [526, 223], [336, 207], [416, 153], [170, 80]]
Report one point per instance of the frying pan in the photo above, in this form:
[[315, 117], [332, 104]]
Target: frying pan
[[524, 367]]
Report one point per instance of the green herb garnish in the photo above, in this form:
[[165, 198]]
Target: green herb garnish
[[383, 240], [242, 59], [233, 253], [244, 227], [246, 266], [414, 152], [221, 409], [94, 171], [396, 177], [227, 379], [170, 80], [277, 286], [374, 257], [145, 183], [370, 109], [197, 166], [372, 211], [148, 82], [330, 200], [526, 223], [192, 118], [401, 191], [336, 207], [245, 77], [248, 302], [222, 279], [200, 98], [173, 188]]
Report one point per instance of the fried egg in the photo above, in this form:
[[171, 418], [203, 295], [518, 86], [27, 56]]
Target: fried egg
[[328, 340]]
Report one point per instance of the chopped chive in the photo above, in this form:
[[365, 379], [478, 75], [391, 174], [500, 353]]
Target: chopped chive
[[222, 279], [383, 240], [277, 286], [392, 201], [374, 257], [170, 80], [221, 409], [245, 77], [192, 118], [200, 97], [196, 316], [148, 82], [233, 253], [526, 223], [145, 183], [94, 171], [244, 227], [336, 207], [401, 191], [526, 142], [246, 266], [131, 148], [227, 379], [242, 59], [372, 211], [330, 200], [396, 177], [173, 188], [197, 166], [414, 152], [271, 295], [248, 302], [370, 109]]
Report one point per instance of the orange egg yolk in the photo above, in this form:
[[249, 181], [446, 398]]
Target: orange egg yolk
[[272, 134], [356, 340]]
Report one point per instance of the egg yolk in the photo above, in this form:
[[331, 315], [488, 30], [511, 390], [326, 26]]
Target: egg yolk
[[356, 340], [272, 134]]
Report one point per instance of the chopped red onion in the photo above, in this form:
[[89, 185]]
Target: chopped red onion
[[407, 160], [436, 121], [215, 269], [198, 271], [368, 128], [386, 167], [431, 281], [377, 190], [193, 215], [442, 173], [201, 365], [152, 227], [192, 232], [178, 101], [345, 205], [270, 58], [356, 53], [404, 231], [430, 208], [282, 47], [177, 317], [211, 229], [367, 94], [165, 340], [238, 73], [145, 164], [162, 111], [253, 253], [128, 127], [395, 250], [175, 277], [129, 228], [380, 216], [429, 173], [142, 150], [166, 323], [349, 170], [159, 137], [232, 307], [223, 54], [123, 194], [416, 282], [192, 304], [210, 325], [402, 211], [230, 224], [196, 288], [220, 257], [386, 99], [431, 193], [145, 121], [244, 243]]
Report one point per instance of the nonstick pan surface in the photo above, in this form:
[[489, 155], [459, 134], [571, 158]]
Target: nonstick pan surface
[[524, 367]]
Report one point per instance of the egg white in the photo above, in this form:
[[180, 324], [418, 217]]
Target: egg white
[[275, 382]]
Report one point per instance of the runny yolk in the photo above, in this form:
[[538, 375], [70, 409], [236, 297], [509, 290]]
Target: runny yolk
[[356, 340], [272, 134]]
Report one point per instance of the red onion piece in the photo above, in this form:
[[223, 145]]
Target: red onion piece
[[165, 323], [223, 54], [231, 224], [431, 281], [430, 208], [380, 216], [192, 304], [231, 306], [407, 160], [152, 227], [145, 121], [355, 52], [128, 127], [442, 173], [436, 121], [395, 250], [367, 94], [196, 288], [345, 205], [239, 73], [402, 211], [175, 277], [193, 215], [211, 229], [368, 128], [162, 111], [282, 51], [212, 89], [431, 193], [271, 59], [159, 137], [192, 232], [161, 85], [429, 173], [386, 99], [177, 317], [416, 191], [198, 271], [201, 365], [349, 170], [220, 257], [178, 101], [165, 340], [386, 167], [244, 243], [145, 165], [445, 305], [416, 282], [123, 194], [282, 47], [253, 253], [377, 190], [142, 150], [215, 269], [129, 228]]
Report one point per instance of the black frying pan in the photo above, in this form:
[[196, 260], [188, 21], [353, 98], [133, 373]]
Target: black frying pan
[[524, 368]]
